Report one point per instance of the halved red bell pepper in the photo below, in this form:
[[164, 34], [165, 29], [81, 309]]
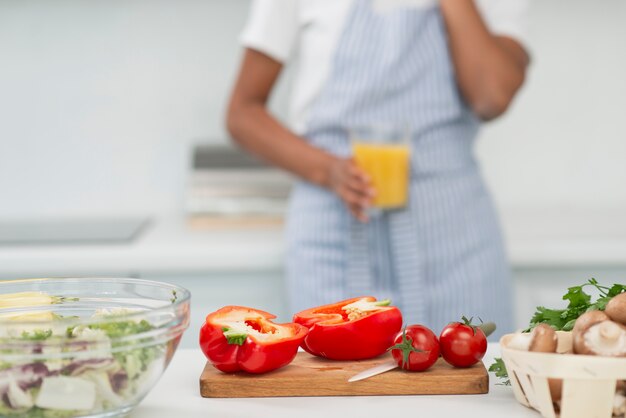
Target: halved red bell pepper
[[237, 338], [353, 329]]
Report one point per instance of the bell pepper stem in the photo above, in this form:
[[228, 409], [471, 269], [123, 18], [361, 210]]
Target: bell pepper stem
[[235, 336]]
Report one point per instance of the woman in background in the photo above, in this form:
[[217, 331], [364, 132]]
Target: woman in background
[[439, 68]]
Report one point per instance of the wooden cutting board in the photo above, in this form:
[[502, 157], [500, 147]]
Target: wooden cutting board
[[313, 376]]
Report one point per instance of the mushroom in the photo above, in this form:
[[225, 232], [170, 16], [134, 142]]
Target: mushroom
[[542, 339], [619, 405], [606, 338], [588, 319], [556, 389], [546, 341], [582, 324], [601, 333], [616, 308]]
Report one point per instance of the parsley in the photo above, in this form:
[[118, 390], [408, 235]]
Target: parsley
[[579, 303], [499, 369]]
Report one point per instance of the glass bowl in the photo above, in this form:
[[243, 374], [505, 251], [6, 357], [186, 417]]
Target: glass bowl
[[85, 347]]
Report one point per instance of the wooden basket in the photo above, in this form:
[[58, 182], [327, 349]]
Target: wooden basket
[[588, 381]]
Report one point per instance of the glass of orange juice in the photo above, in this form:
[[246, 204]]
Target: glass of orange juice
[[384, 154]]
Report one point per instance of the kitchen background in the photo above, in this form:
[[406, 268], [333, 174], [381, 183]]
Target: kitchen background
[[103, 103]]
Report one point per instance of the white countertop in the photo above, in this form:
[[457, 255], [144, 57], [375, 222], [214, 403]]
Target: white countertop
[[166, 246], [177, 395], [169, 245]]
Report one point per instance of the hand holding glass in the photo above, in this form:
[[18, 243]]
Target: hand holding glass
[[384, 154]]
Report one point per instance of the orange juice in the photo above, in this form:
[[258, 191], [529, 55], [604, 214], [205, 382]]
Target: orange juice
[[388, 167]]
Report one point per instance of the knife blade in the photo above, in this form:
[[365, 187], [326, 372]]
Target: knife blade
[[373, 371]]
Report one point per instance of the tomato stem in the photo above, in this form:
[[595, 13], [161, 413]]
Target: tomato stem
[[486, 327], [406, 347]]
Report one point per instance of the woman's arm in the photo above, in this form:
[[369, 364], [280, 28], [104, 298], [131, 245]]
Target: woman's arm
[[489, 69], [256, 130]]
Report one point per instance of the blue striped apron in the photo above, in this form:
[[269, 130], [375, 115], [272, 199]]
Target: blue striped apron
[[442, 256]]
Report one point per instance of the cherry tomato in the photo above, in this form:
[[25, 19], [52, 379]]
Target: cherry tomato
[[416, 348], [462, 344]]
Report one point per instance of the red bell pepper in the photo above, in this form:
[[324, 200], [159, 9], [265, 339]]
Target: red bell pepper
[[237, 338], [353, 329]]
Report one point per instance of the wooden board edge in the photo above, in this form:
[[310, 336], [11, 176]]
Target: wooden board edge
[[364, 388]]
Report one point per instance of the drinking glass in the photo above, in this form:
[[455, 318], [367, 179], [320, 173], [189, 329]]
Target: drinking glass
[[384, 154]]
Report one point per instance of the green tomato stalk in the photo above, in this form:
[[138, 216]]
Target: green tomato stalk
[[406, 347]]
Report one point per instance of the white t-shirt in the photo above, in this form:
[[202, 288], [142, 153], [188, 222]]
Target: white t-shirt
[[308, 31]]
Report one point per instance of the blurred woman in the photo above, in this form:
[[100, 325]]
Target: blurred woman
[[438, 68]]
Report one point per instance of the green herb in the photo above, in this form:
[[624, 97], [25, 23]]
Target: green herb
[[499, 369], [123, 328], [7, 412], [579, 303], [37, 335], [36, 412], [133, 360]]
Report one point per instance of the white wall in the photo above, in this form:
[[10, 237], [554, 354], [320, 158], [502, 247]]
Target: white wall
[[99, 101], [563, 145]]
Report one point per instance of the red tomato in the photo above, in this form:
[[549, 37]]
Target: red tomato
[[416, 348], [462, 344]]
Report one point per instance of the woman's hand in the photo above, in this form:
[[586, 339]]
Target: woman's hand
[[256, 130], [352, 185]]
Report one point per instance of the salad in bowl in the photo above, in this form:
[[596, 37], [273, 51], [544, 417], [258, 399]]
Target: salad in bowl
[[85, 347]]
